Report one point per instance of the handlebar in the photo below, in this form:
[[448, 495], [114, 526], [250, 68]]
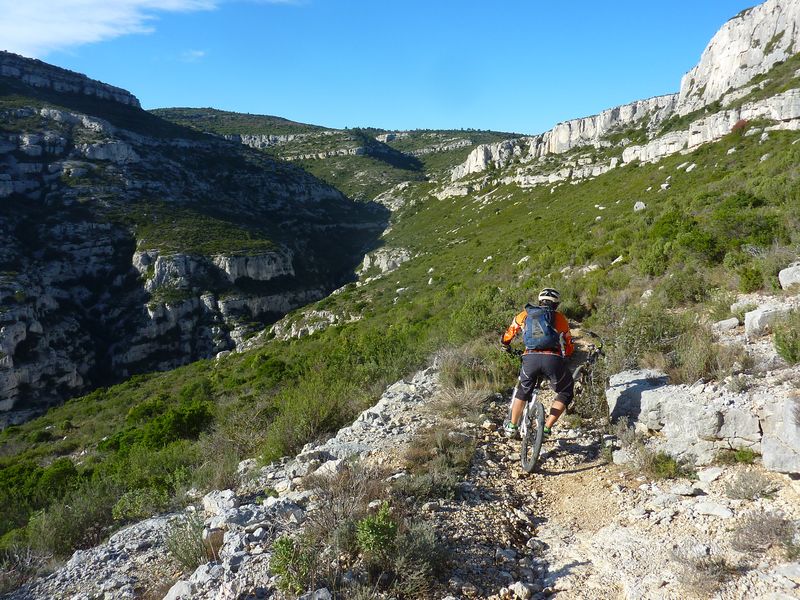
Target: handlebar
[[594, 351]]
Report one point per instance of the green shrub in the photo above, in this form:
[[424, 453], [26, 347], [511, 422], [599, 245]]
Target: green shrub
[[750, 279], [686, 286], [417, 560], [139, 504], [376, 535], [80, 520], [185, 421], [661, 465], [292, 562], [745, 456], [787, 338], [37, 437]]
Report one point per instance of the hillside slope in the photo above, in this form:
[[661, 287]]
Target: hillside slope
[[651, 253], [132, 244], [362, 163]]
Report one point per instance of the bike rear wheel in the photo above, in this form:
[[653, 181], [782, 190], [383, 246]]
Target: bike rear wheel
[[532, 439]]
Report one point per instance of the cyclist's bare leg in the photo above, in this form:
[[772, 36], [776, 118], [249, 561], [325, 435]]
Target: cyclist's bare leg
[[516, 410], [556, 409]]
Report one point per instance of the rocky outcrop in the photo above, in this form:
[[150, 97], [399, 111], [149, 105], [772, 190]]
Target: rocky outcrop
[[783, 108], [262, 267], [696, 422], [114, 151], [748, 45], [756, 410], [588, 131], [309, 322], [79, 303], [393, 198], [790, 276], [38, 74], [260, 142], [385, 260]]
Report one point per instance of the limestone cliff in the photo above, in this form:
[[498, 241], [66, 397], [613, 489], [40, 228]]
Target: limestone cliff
[[42, 75], [130, 244], [747, 46], [750, 44]]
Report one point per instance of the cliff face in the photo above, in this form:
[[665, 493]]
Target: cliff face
[[130, 244], [749, 44], [38, 74], [587, 131], [783, 109]]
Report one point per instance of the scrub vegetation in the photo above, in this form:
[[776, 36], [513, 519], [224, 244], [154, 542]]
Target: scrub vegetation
[[72, 475]]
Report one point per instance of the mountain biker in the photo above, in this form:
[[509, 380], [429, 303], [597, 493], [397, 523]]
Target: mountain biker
[[547, 342]]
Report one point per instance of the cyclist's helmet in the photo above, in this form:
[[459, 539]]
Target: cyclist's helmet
[[549, 297]]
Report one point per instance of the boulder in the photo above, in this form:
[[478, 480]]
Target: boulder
[[320, 594], [217, 502], [694, 422], [758, 322], [182, 590], [710, 474], [331, 468], [713, 509], [637, 395], [790, 276], [780, 447], [726, 324]]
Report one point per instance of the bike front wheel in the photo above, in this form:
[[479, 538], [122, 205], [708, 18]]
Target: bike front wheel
[[532, 438]]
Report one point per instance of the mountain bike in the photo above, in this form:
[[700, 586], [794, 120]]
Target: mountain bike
[[531, 428], [583, 375]]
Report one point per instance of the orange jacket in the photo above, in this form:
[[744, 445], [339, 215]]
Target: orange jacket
[[561, 325]]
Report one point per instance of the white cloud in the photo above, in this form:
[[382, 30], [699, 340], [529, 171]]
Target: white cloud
[[192, 55], [36, 27]]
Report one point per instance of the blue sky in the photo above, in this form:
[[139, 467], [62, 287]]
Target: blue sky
[[515, 65]]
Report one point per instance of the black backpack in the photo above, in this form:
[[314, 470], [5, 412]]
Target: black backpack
[[540, 331]]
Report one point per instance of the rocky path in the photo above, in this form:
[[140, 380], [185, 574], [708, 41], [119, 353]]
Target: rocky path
[[580, 528], [577, 528], [511, 529]]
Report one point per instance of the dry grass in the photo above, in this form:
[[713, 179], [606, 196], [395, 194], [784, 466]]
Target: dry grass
[[477, 365], [697, 356], [20, 564], [185, 543], [703, 576], [437, 458], [750, 485], [343, 498], [461, 404], [759, 531], [700, 574]]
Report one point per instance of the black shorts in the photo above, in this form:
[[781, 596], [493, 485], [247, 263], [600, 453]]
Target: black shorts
[[537, 366]]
